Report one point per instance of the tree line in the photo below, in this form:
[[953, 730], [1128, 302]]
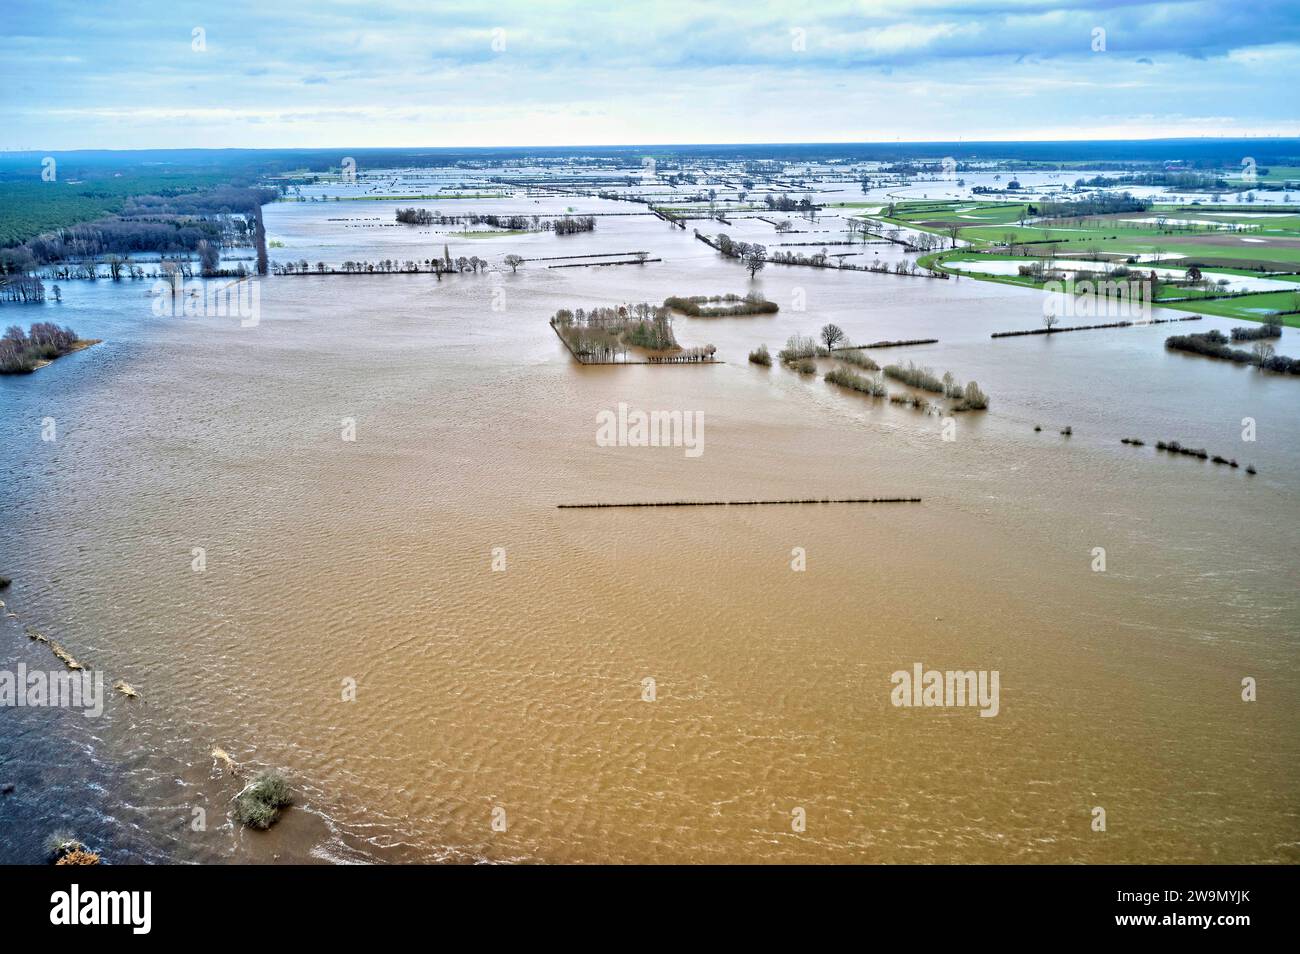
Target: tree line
[[564, 225], [21, 352]]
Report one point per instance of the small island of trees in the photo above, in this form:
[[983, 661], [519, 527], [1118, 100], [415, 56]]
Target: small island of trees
[[604, 335], [564, 225], [722, 306], [23, 353]]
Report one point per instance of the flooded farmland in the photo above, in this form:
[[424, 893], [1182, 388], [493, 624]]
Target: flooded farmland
[[392, 609]]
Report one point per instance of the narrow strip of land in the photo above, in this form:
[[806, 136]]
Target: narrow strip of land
[[744, 503]]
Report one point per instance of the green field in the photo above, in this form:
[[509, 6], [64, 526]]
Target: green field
[[1268, 244], [1247, 307], [1278, 174]]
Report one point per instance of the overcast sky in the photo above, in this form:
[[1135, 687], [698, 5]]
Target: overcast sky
[[274, 73]]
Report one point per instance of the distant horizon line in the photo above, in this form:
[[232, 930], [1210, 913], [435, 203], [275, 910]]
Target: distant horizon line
[[665, 145]]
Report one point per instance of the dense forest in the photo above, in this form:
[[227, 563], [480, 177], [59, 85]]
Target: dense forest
[[197, 222]]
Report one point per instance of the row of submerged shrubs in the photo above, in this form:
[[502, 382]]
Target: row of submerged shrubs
[[915, 376], [722, 306], [1055, 329], [1214, 344], [22, 353], [898, 344], [512, 223], [1199, 453], [858, 359], [911, 400], [800, 351], [1272, 328], [563, 225], [856, 382], [968, 398], [1176, 448]]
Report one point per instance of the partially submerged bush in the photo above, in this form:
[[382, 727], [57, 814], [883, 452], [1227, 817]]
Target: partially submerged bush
[[911, 400], [1214, 344], [805, 366], [917, 377], [1174, 447], [975, 399], [66, 849], [1271, 328], [858, 359], [761, 355], [797, 347], [259, 804]]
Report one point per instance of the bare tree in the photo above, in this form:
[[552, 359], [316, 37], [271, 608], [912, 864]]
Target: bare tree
[[171, 275], [514, 261], [1263, 351], [832, 335]]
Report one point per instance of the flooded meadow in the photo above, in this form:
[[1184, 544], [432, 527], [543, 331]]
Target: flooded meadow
[[389, 605]]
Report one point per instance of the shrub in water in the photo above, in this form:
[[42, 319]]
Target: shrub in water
[[796, 348], [858, 359], [857, 382], [259, 804], [917, 377]]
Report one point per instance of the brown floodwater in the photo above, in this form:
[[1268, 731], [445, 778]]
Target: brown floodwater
[[517, 694]]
